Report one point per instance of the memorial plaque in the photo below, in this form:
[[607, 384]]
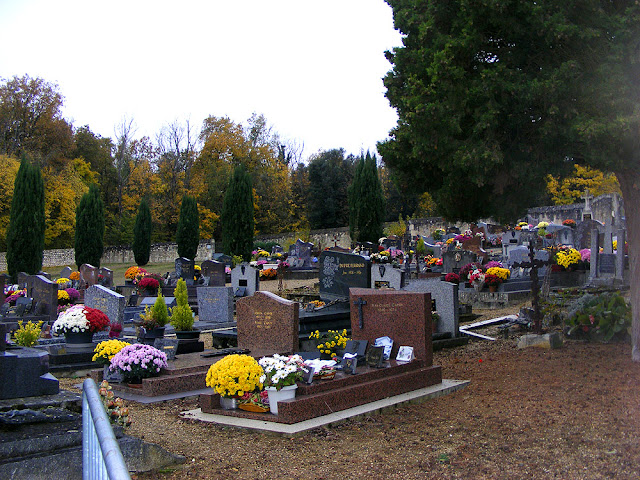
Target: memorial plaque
[[341, 271], [375, 356], [607, 263]]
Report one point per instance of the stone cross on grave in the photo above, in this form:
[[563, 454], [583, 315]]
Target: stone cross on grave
[[534, 264], [359, 303], [586, 212]]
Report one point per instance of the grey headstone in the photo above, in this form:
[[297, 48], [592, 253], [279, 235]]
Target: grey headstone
[[107, 277], [341, 271], [385, 276], [215, 304], [65, 272], [214, 273], [22, 279], [445, 296], [45, 293], [246, 277], [565, 236], [454, 260], [107, 301], [582, 234]]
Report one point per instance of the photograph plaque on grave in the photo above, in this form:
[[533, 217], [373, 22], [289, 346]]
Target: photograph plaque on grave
[[375, 356]]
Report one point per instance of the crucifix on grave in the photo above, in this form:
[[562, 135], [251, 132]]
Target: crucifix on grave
[[534, 264], [359, 303], [586, 212]]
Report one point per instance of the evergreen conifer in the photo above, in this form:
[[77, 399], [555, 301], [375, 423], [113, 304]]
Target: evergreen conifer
[[237, 215], [188, 234], [366, 202], [142, 234], [89, 239]]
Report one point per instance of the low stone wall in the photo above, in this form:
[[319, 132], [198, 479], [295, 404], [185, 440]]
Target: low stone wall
[[160, 253]]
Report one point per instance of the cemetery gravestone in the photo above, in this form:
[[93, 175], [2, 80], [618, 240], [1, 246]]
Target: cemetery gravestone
[[105, 277], [582, 234], [185, 269], [22, 279], [267, 324], [88, 275], [454, 260], [107, 301], [341, 271], [385, 276], [245, 280], [170, 302], [215, 304], [213, 272], [65, 272], [403, 316], [445, 297], [24, 372], [565, 236], [45, 293], [300, 255]]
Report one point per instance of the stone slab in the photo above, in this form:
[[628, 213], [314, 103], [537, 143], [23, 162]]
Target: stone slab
[[403, 316], [107, 301], [267, 322], [215, 304]]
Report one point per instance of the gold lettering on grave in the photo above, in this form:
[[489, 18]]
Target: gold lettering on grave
[[388, 308], [263, 320]]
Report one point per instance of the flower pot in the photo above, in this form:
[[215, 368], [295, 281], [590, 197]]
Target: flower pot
[[187, 334], [79, 341], [275, 396], [228, 403], [493, 288]]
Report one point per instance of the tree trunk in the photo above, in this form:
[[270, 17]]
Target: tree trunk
[[630, 185]]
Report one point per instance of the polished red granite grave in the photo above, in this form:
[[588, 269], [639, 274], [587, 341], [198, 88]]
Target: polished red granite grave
[[345, 391], [268, 323]]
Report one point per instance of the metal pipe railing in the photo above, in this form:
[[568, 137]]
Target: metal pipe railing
[[101, 455]]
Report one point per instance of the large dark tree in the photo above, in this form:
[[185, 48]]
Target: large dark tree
[[330, 174], [142, 234], [188, 234], [237, 215], [25, 235], [89, 241], [492, 96], [366, 202]]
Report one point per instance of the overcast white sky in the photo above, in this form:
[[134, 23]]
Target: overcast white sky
[[313, 68]]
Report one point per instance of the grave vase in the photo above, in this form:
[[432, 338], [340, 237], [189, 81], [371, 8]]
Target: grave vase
[[275, 396], [79, 341], [493, 288], [228, 403]]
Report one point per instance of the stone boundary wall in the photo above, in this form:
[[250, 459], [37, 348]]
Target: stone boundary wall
[[602, 208], [160, 253]]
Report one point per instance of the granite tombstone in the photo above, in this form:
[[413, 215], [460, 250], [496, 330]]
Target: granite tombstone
[[445, 302], [213, 273], [185, 268], [341, 271], [245, 280], [267, 324], [88, 275], [405, 317], [215, 304], [107, 301], [385, 276]]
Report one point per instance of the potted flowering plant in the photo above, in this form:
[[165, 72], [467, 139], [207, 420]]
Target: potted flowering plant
[[492, 281], [476, 277], [452, 278], [280, 376], [103, 353], [132, 272], [467, 269], [78, 324], [148, 285], [330, 342], [569, 222], [138, 361], [233, 376]]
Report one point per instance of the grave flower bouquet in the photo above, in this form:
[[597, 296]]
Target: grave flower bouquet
[[63, 297], [138, 361], [452, 278], [63, 283], [148, 282], [569, 222], [105, 351], [75, 276], [331, 341], [503, 274], [131, 272], [78, 319], [466, 270], [567, 258], [235, 375], [281, 371], [492, 280]]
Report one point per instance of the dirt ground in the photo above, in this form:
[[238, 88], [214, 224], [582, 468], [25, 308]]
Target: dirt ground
[[571, 413]]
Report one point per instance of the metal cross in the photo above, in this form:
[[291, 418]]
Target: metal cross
[[359, 303]]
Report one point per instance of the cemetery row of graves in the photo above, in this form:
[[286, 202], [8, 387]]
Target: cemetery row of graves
[[365, 332]]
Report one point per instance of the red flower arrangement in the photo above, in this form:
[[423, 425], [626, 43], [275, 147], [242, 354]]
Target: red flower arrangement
[[452, 278], [97, 319], [569, 222], [148, 283], [115, 330], [492, 280]]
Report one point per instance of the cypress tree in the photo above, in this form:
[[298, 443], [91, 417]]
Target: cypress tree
[[25, 235], [188, 234], [142, 234], [89, 240], [366, 202], [237, 215]]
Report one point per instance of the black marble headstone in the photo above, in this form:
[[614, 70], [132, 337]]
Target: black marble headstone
[[341, 271], [185, 269], [214, 272]]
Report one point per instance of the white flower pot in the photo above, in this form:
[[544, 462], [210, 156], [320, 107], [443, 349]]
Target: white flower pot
[[275, 396]]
